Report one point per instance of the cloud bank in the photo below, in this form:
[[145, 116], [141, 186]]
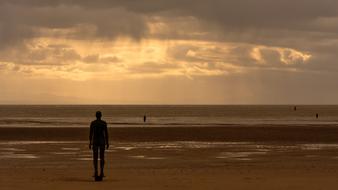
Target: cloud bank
[[249, 42]]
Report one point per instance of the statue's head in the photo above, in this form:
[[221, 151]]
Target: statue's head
[[98, 115]]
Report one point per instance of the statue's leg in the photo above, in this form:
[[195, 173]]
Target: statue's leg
[[102, 161], [95, 157]]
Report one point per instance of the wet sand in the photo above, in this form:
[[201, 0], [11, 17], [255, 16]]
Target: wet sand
[[310, 163], [237, 133]]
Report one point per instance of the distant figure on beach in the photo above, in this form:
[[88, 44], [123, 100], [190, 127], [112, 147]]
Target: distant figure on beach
[[317, 115], [144, 118], [98, 141], [295, 108]]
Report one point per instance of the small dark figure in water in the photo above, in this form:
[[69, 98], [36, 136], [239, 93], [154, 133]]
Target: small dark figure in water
[[144, 118], [98, 141], [295, 108], [317, 115]]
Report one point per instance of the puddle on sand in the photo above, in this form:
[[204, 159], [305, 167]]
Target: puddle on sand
[[70, 149], [146, 157], [64, 153], [318, 146], [12, 155], [124, 147], [239, 155], [13, 149], [84, 159], [311, 156]]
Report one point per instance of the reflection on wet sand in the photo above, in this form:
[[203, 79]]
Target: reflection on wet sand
[[239, 155], [70, 149], [84, 159], [318, 146], [11, 155], [146, 157], [64, 153]]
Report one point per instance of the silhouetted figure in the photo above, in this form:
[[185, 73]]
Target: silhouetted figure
[[295, 108], [317, 115], [144, 118], [98, 141]]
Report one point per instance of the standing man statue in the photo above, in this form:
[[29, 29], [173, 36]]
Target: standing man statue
[[98, 141]]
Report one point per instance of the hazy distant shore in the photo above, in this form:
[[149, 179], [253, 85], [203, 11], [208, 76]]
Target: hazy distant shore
[[234, 133]]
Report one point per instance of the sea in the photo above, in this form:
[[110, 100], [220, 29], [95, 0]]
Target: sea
[[166, 115]]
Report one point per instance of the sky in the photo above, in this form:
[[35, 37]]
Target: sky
[[168, 52]]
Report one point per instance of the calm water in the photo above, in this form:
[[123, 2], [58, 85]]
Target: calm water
[[124, 116]]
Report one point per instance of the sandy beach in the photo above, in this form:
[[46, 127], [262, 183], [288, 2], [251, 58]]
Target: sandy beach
[[31, 161]]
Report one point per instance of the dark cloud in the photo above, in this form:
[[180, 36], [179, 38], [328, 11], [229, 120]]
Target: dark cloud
[[91, 58], [40, 55], [20, 21], [280, 23]]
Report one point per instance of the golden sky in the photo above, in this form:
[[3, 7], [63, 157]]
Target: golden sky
[[168, 52]]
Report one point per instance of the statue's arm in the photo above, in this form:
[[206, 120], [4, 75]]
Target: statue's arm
[[106, 136], [90, 136]]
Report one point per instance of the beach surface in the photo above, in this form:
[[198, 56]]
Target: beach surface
[[233, 157]]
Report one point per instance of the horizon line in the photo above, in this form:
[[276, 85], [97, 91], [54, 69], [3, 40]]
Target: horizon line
[[157, 104]]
